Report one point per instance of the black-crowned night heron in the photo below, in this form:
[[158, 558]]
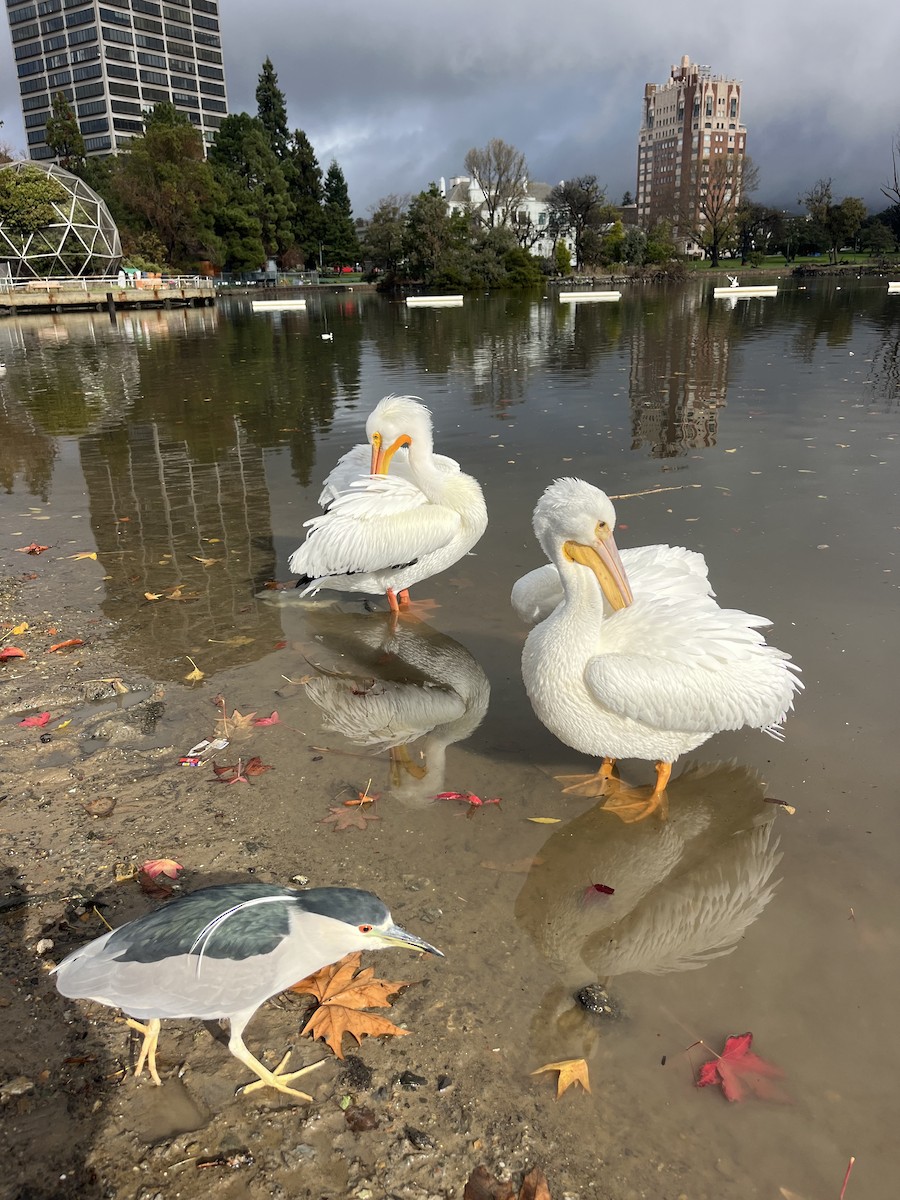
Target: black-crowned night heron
[[223, 951]]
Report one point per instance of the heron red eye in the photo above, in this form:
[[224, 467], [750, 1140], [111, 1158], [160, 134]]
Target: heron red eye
[[365, 929]]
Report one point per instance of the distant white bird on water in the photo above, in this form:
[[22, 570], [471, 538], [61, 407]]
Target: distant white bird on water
[[647, 674], [385, 532]]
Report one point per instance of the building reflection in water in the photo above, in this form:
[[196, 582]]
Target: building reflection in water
[[194, 534], [678, 374], [398, 688]]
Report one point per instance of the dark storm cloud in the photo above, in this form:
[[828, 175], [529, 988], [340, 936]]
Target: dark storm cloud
[[398, 91]]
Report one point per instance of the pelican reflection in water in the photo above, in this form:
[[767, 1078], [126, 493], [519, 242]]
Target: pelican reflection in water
[[402, 688], [683, 892]]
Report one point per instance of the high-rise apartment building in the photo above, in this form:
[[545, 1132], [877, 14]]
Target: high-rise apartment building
[[114, 60], [691, 126]]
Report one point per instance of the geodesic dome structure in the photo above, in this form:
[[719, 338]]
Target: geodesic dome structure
[[81, 240]]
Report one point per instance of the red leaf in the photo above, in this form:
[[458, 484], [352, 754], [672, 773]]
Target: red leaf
[[273, 720], [35, 722], [11, 652], [162, 866], [33, 548], [468, 798], [739, 1068], [64, 645]]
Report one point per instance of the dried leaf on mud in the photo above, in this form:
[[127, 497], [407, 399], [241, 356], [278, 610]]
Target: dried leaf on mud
[[32, 548], [343, 994], [65, 645], [157, 877], [238, 727], [274, 719], [11, 652], [482, 1185], [571, 1070], [738, 1068], [348, 818], [84, 554]]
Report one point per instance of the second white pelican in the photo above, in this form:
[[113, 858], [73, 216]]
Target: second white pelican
[[382, 532], [650, 675]]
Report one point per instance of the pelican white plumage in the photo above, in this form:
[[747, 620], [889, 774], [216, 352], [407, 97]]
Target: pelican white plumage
[[644, 674], [384, 533]]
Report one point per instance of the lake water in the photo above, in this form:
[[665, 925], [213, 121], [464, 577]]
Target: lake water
[[187, 448]]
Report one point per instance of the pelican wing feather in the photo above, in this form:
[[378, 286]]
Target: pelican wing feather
[[701, 668], [382, 522], [652, 570]]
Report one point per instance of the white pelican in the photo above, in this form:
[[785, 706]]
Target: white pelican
[[384, 533], [650, 675]]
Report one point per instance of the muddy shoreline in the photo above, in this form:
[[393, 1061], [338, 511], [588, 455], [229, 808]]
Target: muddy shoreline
[[435, 1105]]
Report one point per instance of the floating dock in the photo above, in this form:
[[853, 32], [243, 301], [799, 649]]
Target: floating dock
[[434, 301], [589, 297], [276, 305], [767, 290], [894, 289], [72, 295]]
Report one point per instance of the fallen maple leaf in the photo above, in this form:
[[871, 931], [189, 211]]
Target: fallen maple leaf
[[256, 766], [273, 720], [162, 866], [237, 772], [348, 818], [32, 548], [11, 652], [342, 994], [153, 595], [65, 645], [84, 554], [738, 1066], [35, 722], [237, 728], [20, 628], [206, 562], [571, 1070]]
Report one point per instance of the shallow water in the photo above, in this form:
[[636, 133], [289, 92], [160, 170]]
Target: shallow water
[[187, 448]]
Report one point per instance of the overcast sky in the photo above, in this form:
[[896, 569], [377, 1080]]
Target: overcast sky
[[398, 90]]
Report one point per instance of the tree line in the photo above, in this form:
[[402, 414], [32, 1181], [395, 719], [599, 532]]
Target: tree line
[[258, 195]]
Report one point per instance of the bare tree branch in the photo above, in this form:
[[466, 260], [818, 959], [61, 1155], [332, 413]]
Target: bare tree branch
[[501, 172]]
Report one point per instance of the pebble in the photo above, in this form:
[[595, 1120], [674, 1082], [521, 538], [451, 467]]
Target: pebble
[[418, 1138], [411, 1082]]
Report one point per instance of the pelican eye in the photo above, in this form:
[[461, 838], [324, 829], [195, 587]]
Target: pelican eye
[[602, 529], [376, 439], [365, 928]]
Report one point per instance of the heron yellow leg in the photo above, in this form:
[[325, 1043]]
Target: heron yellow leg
[[633, 804], [148, 1046], [277, 1078], [597, 784]]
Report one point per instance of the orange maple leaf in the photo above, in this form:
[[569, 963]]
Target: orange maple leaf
[[342, 994], [571, 1070]]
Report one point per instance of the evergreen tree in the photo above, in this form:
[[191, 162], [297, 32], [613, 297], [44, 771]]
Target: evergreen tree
[[341, 246], [437, 244], [63, 135], [164, 183], [256, 221], [272, 109], [305, 183]]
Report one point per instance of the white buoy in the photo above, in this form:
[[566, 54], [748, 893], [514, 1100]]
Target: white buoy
[[589, 297], [274, 305], [768, 290], [434, 301]]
